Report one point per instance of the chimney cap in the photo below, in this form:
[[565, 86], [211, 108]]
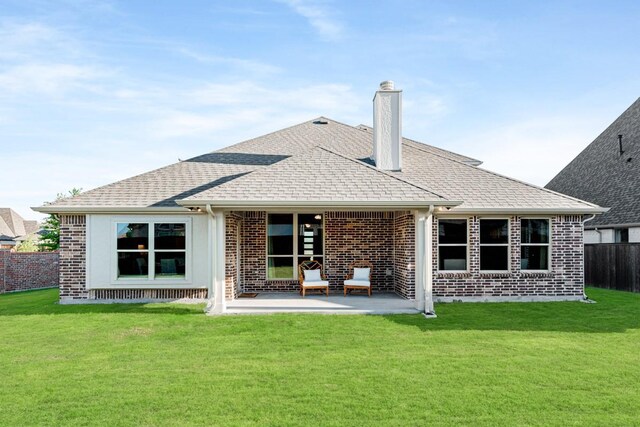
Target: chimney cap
[[387, 85]]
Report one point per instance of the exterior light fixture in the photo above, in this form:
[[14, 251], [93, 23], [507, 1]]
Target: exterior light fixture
[[318, 217]]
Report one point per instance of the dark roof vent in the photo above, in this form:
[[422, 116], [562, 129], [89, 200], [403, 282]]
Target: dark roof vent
[[321, 122]]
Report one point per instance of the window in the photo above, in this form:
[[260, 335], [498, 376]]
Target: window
[[452, 244], [534, 244], [291, 239], [622, 235], [494, 244], [148, 250]]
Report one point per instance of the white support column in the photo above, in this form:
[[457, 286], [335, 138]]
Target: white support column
[[424, 260], [420, 217], [219, 303], [428, 232]]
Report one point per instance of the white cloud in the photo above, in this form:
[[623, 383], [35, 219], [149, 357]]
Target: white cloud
[[319, 17], [49, 79], [239, 63], [535, 149]]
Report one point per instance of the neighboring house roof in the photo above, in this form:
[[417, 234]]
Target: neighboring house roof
[[603, 176], [322, 161], [13, 226]]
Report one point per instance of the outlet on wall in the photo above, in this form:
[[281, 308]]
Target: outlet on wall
[[389, 272]]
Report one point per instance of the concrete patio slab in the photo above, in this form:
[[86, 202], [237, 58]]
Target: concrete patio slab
[[266, 303]]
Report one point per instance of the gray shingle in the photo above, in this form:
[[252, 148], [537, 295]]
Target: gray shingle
[[333, 158], [601, 175]]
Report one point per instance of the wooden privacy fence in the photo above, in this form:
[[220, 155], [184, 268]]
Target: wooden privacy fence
[[613, 266]]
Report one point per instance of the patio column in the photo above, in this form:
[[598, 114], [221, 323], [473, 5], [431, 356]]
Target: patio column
[[217, 245], [424, 259]]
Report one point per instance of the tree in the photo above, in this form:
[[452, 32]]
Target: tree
[[50, 239], [27, 245]]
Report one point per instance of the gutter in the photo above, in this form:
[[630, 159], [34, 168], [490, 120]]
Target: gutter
[[324, 204], [53, 209], [527, 211]]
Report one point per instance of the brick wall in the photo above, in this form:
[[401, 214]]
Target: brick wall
[[404, 254], [73, 231], [21, 271], [351, 236], [566, 278]]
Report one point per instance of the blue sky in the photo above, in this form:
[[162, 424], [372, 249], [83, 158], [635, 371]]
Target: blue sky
[[96, 91]]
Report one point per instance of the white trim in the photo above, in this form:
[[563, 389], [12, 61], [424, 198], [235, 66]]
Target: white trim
[[549, 246], [220, 304], [150, 281], [87, 255], [148, 210], [524, 211], [420, 246], [468, 249], [322, 204], [508, 244], [295, 254]]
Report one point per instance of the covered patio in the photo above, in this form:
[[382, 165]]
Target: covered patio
[[264, 303], [262, 249]]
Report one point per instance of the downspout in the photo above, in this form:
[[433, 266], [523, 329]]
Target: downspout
[[584, 273], [212, 251], [427, 263]]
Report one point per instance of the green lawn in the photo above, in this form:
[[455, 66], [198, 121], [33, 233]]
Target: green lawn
[[476, 364]]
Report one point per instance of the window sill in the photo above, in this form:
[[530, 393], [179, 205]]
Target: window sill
[[452, 274], [533, 273]]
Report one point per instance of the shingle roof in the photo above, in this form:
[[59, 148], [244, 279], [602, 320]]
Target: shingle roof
[[333, 159], [13, 225], [318, 174], [603, 176]]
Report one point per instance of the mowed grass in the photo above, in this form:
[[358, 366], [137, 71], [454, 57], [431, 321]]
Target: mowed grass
[[476, 364]]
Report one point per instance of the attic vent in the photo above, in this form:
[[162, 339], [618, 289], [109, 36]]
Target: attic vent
[[321, 122]]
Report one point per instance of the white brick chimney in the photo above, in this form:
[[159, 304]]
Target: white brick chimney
[[387, 127]]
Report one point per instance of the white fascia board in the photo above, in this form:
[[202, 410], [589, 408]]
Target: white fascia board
[[525, 211], [106, 209], [605, 226], [326, 204]]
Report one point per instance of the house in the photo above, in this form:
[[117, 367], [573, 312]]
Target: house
[[435, 225], [607, 173], [15, 229]]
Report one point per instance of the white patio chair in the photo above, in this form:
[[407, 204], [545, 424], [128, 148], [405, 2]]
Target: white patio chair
[[359, 277], [311, 277]]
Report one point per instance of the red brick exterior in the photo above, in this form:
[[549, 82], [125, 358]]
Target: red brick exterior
[[404, 254], [387, 239], [21, 271], [566, 278], [73, 246], [349, 236]]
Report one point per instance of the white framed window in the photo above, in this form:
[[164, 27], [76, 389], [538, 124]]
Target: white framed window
[[151, 251], [291, 239], [535, 244], [453, 238], [494, 244]]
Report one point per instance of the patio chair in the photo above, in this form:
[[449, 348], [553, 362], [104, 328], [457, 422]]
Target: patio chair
[[311, 277], [359, 277]]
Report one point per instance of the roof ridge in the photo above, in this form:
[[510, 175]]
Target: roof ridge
[[358, 162], [361, 125], [270, 133], [510, 179], [637, 101]]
